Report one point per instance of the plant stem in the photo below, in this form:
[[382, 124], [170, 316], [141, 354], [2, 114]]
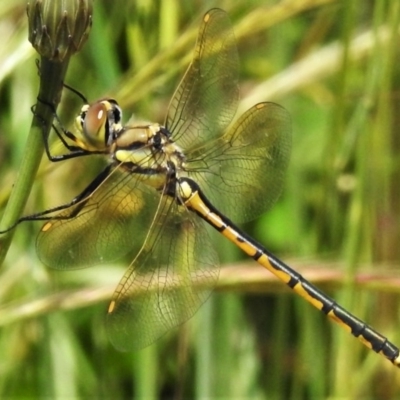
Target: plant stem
[[51, 84]]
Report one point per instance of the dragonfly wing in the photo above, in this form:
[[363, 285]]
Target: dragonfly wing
[[206, 99], [111, 223], [167, 283], [242, 173]]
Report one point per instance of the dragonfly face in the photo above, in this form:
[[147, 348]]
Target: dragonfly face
[[98, 123]]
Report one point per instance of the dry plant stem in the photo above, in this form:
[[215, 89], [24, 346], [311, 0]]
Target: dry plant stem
[[315, 67], [135, 84], [262, 18], [241, 278], [51, 79]]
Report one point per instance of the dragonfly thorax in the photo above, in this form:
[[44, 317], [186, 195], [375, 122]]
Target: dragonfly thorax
[[140, 148], [148, 149]]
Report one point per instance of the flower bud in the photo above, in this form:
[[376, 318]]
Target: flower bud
[[59, 28]]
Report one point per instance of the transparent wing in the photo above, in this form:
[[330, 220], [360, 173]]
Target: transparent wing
[[206, 99], [167, 283], [242, 172], [111, 223]]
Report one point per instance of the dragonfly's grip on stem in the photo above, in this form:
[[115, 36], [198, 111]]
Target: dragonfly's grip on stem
[[196, 201]]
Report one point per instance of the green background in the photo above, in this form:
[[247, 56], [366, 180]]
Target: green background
[[334, 66]]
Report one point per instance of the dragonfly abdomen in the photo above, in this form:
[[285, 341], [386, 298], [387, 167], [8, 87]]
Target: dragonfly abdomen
[[196, 201]]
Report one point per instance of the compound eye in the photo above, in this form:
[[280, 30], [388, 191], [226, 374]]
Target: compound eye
[[94, 121], [116, 111]]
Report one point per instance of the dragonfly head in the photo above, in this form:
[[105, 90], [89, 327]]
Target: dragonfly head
[[99, 122]]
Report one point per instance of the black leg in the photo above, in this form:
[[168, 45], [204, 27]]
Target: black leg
[[74, 151], [79, 200]]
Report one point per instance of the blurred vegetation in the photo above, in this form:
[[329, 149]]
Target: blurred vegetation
[[333, 65]]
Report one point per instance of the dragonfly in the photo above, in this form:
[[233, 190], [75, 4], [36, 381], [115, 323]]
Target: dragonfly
[[164, 184]]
